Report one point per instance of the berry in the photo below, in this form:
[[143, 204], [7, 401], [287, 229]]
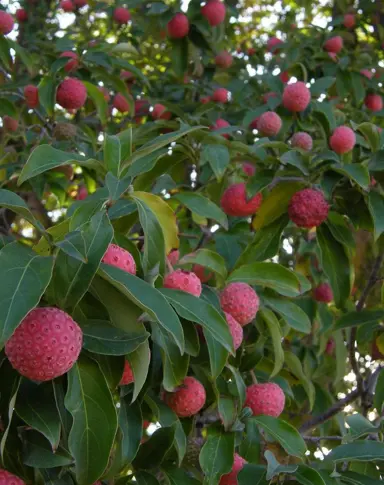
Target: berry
[[10, 124], [127, 377], [323, 293], [6, 23], [31, 94], [188, 399], [71, 93], [121, 15], [202, 273], [205, 99], [105, 93], [272, 43], [173, 257], [349, 20], [82, 193], [21, 15], [296, 97], [120, 102], [367, 73], [45, 345], [343, 140], [240, 301], [67, 5], [334, 44], [127, 76], [254, 124], [267, 399], [214, 11], [220, 95], [308, 208], [178, 26], [64, 131], [160, 112], [374, 102], [302, 140], [248, 169], [184, 281], [236, 330], [234, 201], [7, 478], [231, 477], [72, 64], [120, 258], [80, 3], [330, 347], [220, 123], [224, 59], [284, 77], [269, 123]]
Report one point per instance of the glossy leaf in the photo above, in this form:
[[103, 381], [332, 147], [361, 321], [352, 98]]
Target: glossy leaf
[[294, 365], [353, 319], [203, 207], [153, 451], [308, 476], [112, 154], [218, 158], [216, 456], [357, 451], [292, 314], [273, 326]]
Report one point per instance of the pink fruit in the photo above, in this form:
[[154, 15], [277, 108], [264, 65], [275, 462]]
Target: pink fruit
[[214, 11], [323, 293], [202, 273], [349, 20], [296, 97], [127, 377], [45, 345], [240, 301], [272, 43], [10, 124], [220, 123], [302, 140], [220, 95], [67, 5], [269, 123], [173, 257], [120, 102], [119, 257], [374, 102], [334, 44], [343, 140], [367, 73], [224, 59], [72, 64], [82, 193], [248, 169], [6, 23], [21, 15], [231, 477], [160, 112], [236, 330], [308, 208], [7, 478], [121, 15], [178, 26], [267, 399], [71, 93], [31, 94], [184, 281], [234, 201], [188, 399]]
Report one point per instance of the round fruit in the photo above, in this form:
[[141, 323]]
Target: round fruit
[[188, 399], [323, 293], [119, 257], [248, 169], [67, 5], [334, 44], [7, 478], [214, 11], [231, 477], [269, 123], [220, 95], [374, 102], [224, 60], [6, 23], [31, 94], [160, 112], [73, 63], [236, 330], [45, 345], [71, 93], [184, 281], [267, 399], [120, 102], [220, 123], [173, 257], [240, 301], [234, 201], [302, 140], [10, 124], [343, 140], [121, 15], [21, 15], [296, 97], [349, 20], [178, 26], [127, 377], [308, 208], [272, 43]]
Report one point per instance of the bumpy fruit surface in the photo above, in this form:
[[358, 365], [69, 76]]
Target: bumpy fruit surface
[[349, 20], [183, 280], [121, 15], [296, 97], [173, 257], [160, 112], [71, 94], [220, 95], [21, 15], [236, 330], [7, 478], [127, 377], [214, 12], [308, 208], [240, 301], [269, 123], [267, 399], [120, 102], [374, 102], [188, 399], [178, 26], [73, 62], [248, 169], [323, 293], [224, 59], [220, 123], [334, 44], [272, 43], [231, 477], [119, 257], [6, 23], [45, 345], [31, 94], [64, 131], [67, 5], [234, 201], [302, 140], [343, 140]]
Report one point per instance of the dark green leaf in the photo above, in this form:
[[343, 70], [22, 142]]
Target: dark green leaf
[[296, 159], [340, 229], [308, 476], [273, 326], [131, 426], [112, 154], [99, 101], [252, 475], [352, 319], [139, 360], [37, 453], [274, 468], [47, 94], [218, 355], [292, 314], [379, 393], [179, 56], [294, 365], [207, 258], [218, 158], [203, 207], [152, 453], [74, 245], [356, 172], [357, 451], [321, 85], [116, 187], [216, 456], [376, 208], [145, 478], [359, 426], [250, 447], [371, 134]]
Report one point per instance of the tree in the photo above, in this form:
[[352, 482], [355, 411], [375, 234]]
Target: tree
[[192, 243]]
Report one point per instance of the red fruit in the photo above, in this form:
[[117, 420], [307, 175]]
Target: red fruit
[[343, 140], [330, 347], [240, 301], [308, 208], [236, 330], [127, 76], [234, 201], [231, 477], [254, 125], [82, 193], [272, 43], [251, 51], [141, 107], [184, 281], [10, 124], [334, 44], [367, 73], [284, 77], [296, 97], [21, 15], [267, 399], [269, 123], [71, 93], [349, 20], [67, 5], [205, 99], [178, 26], [202, 273], [188, 399], [31, 94], [173, 257], [224, 59], [220, 95], [249, 169], [105, 92], [80, 3], [323, 293], [160, 112], [45, 345], [119, 257], [374, 102], [7, 478], [220, 123], [120, 102], [269, 95], [6, 23], [73, 64], [302, 140], [127, 377], [121, 15], [214, 11]]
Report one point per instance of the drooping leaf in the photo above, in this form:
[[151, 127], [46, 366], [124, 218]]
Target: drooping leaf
[[13, 202], [357, 451]]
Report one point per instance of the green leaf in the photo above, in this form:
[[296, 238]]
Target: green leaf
[[147, 163], [203, 207], [74, 245], [152, 453], [321, 85], [218, 355], [358, 479], [357, 451], [357, 172], [340, 229], [216, 456], [112, 154], [274, 330], [131, 427], [358, 88], [250, 447], [116, 187], [239, 385], [379, 392], [227, 411], [145, 478], [371, 134], [324, 113], [288, 436], [296, 159], [352, 319], [207, 258], [294, 365], [252, 475], [335, 263], [25, 277], [218, 158], [376, 208], [37, 453], [179, 56], [139, 360], [359, 426], [13, 202], [47, 94], [178, 476], [274, 468], [94, 426], [308, 476], [292, 314], [99, 101]]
